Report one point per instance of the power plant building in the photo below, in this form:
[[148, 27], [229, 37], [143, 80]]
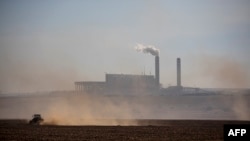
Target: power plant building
[[136, 84], [123, 83], [119, 83]]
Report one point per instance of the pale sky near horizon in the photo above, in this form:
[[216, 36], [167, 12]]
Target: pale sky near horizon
[[49, 44]]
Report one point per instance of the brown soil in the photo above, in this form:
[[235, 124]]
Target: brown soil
[[168, 130]]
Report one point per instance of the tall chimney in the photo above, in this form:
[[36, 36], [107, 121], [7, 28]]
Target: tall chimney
[[178, 72], [157, 71]]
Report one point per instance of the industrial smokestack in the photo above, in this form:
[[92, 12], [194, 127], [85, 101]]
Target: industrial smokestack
[[157, 70], [155, 52], [178, 72]]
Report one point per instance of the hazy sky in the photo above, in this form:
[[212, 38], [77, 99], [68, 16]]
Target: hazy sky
[[50, 44]]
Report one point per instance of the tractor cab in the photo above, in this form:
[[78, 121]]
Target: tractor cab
[[37, 119]]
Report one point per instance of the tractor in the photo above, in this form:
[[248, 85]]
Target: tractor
[[37, 120]]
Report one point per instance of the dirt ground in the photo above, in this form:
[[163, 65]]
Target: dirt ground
[[168, 130]]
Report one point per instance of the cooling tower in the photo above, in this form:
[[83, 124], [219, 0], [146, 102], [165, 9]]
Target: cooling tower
[[178, 72], [157, 70]]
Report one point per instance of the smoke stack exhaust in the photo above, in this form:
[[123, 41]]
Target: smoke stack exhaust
[[178, 72], [155, 52], [157, 70], [147, 49]]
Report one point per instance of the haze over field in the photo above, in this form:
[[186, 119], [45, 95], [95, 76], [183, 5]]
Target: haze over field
[[109, 110], [48, 45]]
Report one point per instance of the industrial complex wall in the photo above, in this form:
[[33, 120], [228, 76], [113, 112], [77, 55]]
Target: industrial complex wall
[[119, 83]]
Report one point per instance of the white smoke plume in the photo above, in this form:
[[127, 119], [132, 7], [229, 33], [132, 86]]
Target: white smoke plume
[[147, 49]]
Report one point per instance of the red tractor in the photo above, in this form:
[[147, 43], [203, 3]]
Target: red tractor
[[37, 120]]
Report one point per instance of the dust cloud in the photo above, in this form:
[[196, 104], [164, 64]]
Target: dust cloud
[[88, 110], [71, 108], [225, 72], [232, 75], [241, 107], [28, 77]]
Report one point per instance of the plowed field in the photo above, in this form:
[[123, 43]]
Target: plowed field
[[168, 130]]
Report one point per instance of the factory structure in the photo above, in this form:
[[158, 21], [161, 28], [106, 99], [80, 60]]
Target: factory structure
[[136, 84], [123, 83]]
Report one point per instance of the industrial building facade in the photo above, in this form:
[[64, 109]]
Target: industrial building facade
[[123, 83], [137, 84], [119, 83]]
